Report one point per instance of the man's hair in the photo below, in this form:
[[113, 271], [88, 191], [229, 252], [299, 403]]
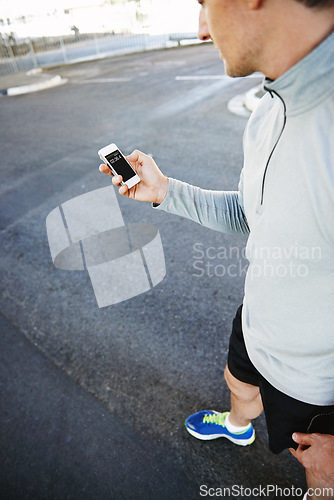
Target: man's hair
[[320, 4]]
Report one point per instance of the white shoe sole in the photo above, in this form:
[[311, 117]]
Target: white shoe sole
[[240, 442]]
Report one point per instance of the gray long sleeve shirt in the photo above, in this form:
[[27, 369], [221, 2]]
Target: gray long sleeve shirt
[[285, 202]]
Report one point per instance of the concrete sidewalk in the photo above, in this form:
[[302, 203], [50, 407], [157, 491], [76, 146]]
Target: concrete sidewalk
[[30, 81], [58, 441]]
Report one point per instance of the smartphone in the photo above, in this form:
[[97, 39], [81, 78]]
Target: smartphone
[[115, 160]]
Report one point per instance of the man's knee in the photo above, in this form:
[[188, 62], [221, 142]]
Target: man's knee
[[241, 390]]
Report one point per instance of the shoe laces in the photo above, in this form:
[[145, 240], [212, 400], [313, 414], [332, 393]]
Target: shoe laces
[[214, 418]]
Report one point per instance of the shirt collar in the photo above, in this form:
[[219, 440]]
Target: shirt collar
[[307, 82]]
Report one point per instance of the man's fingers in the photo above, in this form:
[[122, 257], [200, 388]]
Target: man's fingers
[[299, 453], [124, 190], [105, 169], [116, 180], [303, 439], [134, 156]]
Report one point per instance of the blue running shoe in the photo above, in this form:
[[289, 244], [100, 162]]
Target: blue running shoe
[[209, 424]]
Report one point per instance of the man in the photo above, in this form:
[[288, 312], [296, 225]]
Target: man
[[281, 355]]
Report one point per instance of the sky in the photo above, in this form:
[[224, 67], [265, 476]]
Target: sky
[[160, 16], [14, 8]]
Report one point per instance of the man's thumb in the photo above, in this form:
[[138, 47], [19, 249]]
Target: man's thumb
[[301, 438]]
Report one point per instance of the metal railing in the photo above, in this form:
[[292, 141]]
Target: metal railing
[[23, 54]]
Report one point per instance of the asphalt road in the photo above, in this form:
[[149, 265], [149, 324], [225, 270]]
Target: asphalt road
[[93, 400]]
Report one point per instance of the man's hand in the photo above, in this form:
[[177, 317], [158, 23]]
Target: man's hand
[[153, 184], [316, 453]]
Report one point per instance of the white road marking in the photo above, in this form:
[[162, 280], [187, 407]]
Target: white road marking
[[106, 80], [214, 77], [192, 98], [200, 77]]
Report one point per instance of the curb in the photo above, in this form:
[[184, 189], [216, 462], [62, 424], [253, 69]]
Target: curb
[[244, 104], [45, 83], [252, 97]]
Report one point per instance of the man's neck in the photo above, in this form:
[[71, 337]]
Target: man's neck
[[295, 37]]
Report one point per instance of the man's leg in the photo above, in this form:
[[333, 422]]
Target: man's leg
[[246, 402], [245, 397]]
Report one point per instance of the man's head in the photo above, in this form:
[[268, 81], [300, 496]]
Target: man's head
[[264, 35]]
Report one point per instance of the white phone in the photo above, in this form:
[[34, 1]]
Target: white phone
[[117, 163]]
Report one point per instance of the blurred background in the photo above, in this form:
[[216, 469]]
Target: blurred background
[[36, 34]]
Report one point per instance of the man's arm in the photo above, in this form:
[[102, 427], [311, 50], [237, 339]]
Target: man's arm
[[219, 210]]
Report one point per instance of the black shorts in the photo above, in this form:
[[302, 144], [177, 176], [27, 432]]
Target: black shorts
[[284, 415]]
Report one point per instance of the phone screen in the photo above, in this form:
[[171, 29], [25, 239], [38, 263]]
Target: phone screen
[[121, 166]]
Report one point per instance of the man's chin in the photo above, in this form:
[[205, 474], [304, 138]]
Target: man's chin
[[235, 72], [228, 69]]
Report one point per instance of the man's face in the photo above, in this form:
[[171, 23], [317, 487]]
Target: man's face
[[229, 24]]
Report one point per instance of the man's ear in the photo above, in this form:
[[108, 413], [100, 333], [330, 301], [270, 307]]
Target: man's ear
[[254, 4]]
